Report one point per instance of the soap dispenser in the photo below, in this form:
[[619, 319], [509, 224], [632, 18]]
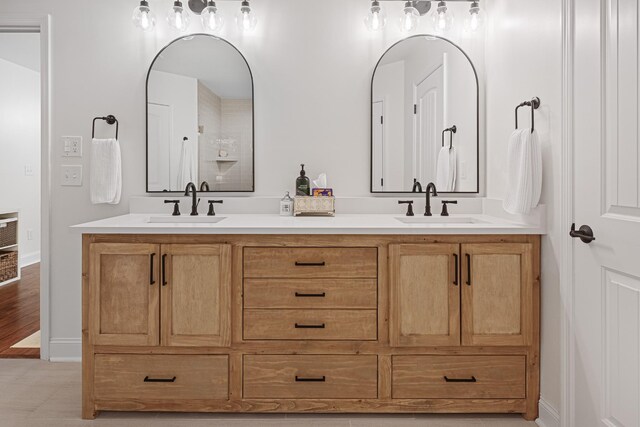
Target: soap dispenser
[[303, 185]]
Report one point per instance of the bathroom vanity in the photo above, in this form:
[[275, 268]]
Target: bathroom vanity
[[353, 314]]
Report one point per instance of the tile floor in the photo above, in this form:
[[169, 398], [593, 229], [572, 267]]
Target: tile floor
[[35, 393]]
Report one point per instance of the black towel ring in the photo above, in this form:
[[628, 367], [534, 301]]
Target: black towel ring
[[110, 119], [453, 129], [534, 104]]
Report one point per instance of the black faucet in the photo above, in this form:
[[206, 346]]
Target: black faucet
[[416, 185], [194, 205], [204, 186], [212, 212], [445, 211], [431, 190]]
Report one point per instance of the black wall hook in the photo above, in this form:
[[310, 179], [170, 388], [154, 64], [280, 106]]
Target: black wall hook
[[110, 119], [534, 104], [453, 129]]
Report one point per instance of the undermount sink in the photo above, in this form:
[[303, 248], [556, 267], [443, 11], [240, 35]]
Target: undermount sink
[[185, 219], [439, 220]]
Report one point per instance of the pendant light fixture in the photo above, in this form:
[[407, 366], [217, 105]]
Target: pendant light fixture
[[376, 19], [475, 20], [410, 17], [246, 19], [143, 17], [442, 18], [211, 19], [178, 17]]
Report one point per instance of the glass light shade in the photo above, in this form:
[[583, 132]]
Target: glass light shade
[[376, 19], [143, 17], [246, 19], [410, 18], [178, 17], [442, 18], [474, 22], [211, 19]]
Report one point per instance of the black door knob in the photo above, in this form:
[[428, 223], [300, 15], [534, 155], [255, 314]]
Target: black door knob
[[585, 233]]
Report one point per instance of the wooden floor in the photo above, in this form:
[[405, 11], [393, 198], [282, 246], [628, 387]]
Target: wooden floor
[[20, 313]]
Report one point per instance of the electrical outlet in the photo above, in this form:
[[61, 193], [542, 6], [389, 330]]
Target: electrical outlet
[[72, 146], [29, 234], [72, 175], [28, 170]]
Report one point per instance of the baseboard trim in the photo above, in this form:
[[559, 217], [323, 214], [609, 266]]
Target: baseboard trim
[[29, 259], [549, 416], [65, 350]]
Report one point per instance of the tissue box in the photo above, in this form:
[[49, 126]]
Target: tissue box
[[314, 206]]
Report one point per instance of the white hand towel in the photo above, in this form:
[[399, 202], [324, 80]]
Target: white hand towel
[[446, 169], [524, 168], [188, 167], [106, 171]]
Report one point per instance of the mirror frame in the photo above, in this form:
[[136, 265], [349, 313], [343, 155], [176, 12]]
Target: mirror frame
[[475, 73], [253, 119]]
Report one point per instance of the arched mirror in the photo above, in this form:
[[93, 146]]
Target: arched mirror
[[200, 117], [425, 118]]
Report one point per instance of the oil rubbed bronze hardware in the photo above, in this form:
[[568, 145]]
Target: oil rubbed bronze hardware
[[460, 380], [302, 326], [110, 119], [468, 269], [453, 129], [409, 208], [456, 278], [534, 104], [311, 380], [310, 264], [164, 270], [159, 380], [585, 233], [152, 279], [320, 295]]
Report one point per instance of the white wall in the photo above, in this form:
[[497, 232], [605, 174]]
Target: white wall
[[19, 148], [523, 60], [312, 105]]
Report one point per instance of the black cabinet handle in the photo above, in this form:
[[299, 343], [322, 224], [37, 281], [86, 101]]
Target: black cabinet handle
[[152, 279], [320, 295], [468, 269], [159, 380], [460, 380], [302, 326], [310, 264], [456, 278], [311, 380], [164, 270]]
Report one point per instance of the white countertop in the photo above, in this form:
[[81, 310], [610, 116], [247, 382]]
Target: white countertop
[[275, 224]]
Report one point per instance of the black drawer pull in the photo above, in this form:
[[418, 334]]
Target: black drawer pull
[[152, 279], [310, 264], [301, 295], [164, 270], [460, 380], [159, 380], [301, 326], [468, 269], [311, 380], [456, 279]]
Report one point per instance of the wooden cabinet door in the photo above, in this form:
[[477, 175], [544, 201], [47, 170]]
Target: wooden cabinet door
[[196, 289], [124, 286], [425, 295], [497, 294]]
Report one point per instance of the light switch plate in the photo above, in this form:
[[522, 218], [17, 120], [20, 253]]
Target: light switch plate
[[72, 146], [72, 175]]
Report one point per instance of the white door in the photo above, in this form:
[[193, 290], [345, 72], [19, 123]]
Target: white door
[[605, 362], [378, 146], [160, 147], [429, 119]]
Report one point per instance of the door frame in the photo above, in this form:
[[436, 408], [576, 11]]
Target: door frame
[[42, 25]]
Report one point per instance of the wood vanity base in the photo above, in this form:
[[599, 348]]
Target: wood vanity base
[[318, 324]]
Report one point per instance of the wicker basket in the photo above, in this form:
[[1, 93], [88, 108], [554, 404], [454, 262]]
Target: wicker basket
[[8, 233], [8, 265], [314, 206]]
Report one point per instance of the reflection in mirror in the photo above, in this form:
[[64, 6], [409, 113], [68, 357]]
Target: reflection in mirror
[[200, 117], [425, 118]]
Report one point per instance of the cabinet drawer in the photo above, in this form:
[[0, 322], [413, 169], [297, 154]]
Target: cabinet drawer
[[310, 324], [462, 377], [310, 293], [311, 262], [310, 377], [161, 377]]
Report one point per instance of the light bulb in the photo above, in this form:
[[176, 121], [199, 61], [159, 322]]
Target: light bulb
[[178, 17], [475, 20], [409, 20], [143, 17], [246, 18], [376, 19], [211, 19], [442, 18]]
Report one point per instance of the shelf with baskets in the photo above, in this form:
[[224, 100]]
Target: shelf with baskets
[[9, 259]]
